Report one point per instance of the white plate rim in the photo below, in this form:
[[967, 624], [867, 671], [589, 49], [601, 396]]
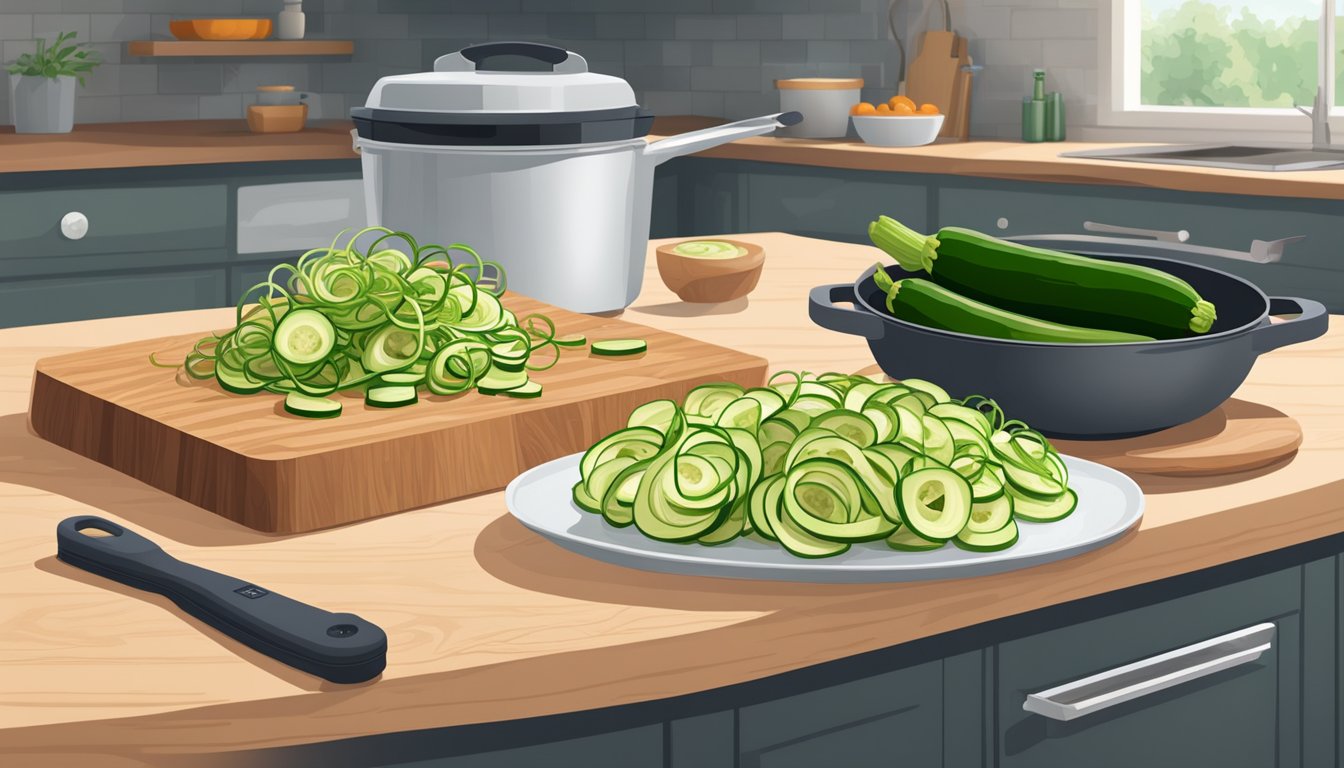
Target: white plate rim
[[824, 570]]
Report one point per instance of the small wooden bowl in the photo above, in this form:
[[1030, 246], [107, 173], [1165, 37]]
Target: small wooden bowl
[[286, 118], [711, 281]]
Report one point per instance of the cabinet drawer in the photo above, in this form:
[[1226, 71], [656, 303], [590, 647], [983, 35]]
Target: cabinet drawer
[[827, 204], [881, 720], [737, 196], [31, 302], [1242, 716], [120, 220]]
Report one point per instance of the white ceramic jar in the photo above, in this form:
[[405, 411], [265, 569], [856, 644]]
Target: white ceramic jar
[[290, 24], [824, 103]]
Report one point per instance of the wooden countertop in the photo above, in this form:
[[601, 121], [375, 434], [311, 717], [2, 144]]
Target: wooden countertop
[[489, 622], [1016, 161], [169, 142], [195, 142]]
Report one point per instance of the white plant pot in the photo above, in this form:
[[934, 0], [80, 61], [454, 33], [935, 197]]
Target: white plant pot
[[42, 104]]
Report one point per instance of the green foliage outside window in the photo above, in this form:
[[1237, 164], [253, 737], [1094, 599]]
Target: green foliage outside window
[[1199, 54]]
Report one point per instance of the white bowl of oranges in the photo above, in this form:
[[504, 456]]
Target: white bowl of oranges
[[897, 123]]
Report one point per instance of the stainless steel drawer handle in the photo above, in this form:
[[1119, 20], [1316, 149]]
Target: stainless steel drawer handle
[[1095, 693], [1179, 236]]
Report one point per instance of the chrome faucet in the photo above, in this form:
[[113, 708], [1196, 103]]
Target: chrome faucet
[[1320, 120]]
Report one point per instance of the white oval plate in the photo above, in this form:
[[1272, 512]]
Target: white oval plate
[[1109, 503]]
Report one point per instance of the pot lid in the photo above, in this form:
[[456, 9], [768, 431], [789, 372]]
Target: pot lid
[[462, 84]]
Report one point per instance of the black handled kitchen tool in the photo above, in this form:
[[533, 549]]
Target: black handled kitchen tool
[[340, 647]]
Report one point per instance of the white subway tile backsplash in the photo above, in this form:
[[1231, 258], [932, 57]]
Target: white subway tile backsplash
[[109, 27], [1060, 23], [227, 106], [49, 25], [803, 26], [159, 107], [714, 57], [735, 53]]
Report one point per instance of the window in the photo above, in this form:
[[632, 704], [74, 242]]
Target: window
[[1224, 64]]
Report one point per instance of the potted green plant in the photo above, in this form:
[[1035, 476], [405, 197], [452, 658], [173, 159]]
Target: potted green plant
[[42, 85]]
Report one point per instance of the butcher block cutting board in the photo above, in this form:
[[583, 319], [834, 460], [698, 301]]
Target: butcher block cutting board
[[245, 458]]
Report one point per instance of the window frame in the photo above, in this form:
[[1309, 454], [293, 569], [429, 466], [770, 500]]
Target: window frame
[[1118, 101]]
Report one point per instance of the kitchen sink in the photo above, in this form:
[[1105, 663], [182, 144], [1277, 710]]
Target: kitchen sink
[[1238, 156]]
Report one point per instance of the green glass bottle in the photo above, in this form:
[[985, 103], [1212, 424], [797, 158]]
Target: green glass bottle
[[1054, 116], [1033, 110]]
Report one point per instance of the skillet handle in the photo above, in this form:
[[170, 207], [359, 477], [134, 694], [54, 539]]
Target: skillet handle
[[821, 308], [1312, 321]]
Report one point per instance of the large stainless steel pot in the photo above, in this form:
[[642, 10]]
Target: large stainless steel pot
[[545, 172]]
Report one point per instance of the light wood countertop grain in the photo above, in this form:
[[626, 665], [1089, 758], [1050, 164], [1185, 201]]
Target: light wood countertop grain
[[489, 622]]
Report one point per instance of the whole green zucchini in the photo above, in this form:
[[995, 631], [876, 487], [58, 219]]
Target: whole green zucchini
[[926, 303], [1049, 285]]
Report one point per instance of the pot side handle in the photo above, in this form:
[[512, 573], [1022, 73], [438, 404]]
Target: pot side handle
[[823, 311], [1312, 322], [707, 138]]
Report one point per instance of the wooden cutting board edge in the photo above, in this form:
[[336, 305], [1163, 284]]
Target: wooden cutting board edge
[[347, 483]]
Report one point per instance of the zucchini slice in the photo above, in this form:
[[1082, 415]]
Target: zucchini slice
[[300, 404], [1039, 511], [992, 541], [304, 337], [907, 540], [390, 395], [987, 516], [573, 340], [619, 347], [527, 391], [497, 381], [798, 541], [935, 502]]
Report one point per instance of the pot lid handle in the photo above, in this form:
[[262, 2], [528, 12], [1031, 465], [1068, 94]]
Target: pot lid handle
[[469, 59]]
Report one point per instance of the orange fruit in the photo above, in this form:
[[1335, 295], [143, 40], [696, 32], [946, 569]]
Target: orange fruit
[[928, 109], [903, 109], [883, 109], [863, 108], [894, 100]]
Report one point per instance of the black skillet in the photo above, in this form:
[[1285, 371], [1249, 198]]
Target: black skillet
[[1084, 391]]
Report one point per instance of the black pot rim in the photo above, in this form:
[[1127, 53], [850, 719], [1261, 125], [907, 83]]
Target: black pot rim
[[1240, 330], [502, 129]]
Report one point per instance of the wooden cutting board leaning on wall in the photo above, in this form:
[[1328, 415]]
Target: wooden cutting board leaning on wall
[[937, 77], [245, 458]]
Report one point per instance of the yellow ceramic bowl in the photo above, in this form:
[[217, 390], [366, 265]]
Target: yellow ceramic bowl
[[220, 29]]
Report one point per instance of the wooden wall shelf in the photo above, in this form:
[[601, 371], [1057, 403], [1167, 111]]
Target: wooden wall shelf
[[240, 47]]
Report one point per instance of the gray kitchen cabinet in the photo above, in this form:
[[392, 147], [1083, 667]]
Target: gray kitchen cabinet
[[880, 720], [1248, 715], [956, 700], [244, 275], [703, 741], [718, 196], [640, 747], [83, 297], [138, 222]]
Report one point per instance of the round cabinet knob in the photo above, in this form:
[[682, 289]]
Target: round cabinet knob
[[74, 225], [1002, 223]]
